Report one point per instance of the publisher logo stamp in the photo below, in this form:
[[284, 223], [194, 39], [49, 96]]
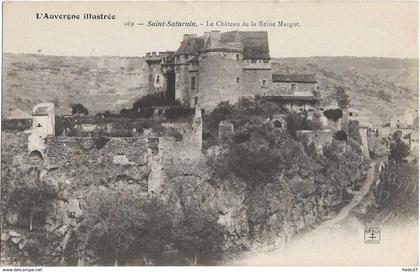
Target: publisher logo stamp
[[372, 235]]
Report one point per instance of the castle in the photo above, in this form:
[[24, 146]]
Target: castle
[[224, 66]]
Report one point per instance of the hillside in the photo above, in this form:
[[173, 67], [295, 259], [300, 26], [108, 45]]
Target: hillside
[[381, 86], [99, 83]]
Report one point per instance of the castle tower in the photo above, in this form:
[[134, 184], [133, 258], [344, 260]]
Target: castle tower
[[220, 69], [43, 125], [156, 80]]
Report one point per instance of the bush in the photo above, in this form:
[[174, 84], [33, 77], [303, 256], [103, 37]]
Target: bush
[[154, 100], [340, 136], [79, 109], [198, 236], [398, 151], [16, 124], [333, 114], [32, 201], [296, 121], [176, 112], [120, 228], [353, 130]]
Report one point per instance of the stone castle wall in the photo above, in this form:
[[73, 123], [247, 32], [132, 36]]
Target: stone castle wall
[[219, 73], [285, 88], [182, 83], [253, 82]]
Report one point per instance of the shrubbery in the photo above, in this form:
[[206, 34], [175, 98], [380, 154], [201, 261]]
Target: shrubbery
[[31, 201], [120, 228], [333, 114]]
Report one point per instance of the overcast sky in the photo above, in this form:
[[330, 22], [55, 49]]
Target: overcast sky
[[382, 29]]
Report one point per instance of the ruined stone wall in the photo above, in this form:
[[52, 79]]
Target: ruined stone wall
[[253, 82], [285, 88], [182, 82], [365, 149], [138, 159], [219, 75], [193, 92]]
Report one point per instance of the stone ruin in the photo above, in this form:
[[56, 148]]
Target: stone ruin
[[50, 152]]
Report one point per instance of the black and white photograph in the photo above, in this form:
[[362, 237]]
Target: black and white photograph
[[211, 133]]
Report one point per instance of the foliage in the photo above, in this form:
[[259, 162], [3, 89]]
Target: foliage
[[353, 131], [398, 150], [333, 114], [342, 98], [153, 100], [397, 193], [297, 121], [198, 236], [16, 124], [176, 112], [32, 200], [79, 109], [340, 136], [120, 228]]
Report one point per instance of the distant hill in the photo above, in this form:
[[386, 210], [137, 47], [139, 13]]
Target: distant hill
[[99, 83], [378, 86]]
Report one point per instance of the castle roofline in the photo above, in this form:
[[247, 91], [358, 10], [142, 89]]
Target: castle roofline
[[298, 78]]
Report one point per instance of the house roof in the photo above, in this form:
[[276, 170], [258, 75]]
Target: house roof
[[41, 111], [299, 78], [254, 44], [293, 98], [190, 46]]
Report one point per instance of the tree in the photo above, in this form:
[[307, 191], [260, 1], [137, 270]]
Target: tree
[[353, 131], [79, 109], [340, 136], [342, 98], [398, 150], [120, 227], [198, 236], [32, 200]]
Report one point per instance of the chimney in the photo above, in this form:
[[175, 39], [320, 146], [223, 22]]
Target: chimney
[[189, 36], [214, 37], [148, 55], [206, 37]]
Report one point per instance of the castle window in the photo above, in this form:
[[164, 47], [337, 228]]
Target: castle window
[[237, 80], [293, 86], [185, 57], [253, 61], [177, 58], [157, 79], [192, 83], [237, 57], [264, 82]]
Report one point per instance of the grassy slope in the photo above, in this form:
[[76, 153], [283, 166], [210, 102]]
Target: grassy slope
[[115, 82]]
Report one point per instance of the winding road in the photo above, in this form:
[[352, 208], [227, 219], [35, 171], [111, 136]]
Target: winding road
[[358, 196]]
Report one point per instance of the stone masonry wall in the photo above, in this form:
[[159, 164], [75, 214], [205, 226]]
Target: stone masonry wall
[[285, 88], [218, 78], [253, 82]]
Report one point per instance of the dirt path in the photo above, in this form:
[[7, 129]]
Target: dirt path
[[358, 196]]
